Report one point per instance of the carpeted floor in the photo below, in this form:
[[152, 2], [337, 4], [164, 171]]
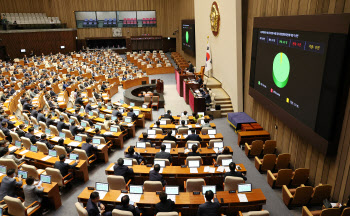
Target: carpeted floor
[[176, 104]]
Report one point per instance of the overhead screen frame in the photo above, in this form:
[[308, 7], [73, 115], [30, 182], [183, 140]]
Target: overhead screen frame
[[189, 22], [330, 23]]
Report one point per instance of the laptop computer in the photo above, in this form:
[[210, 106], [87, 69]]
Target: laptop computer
[[242, 188], [162, 122], [132, 104], [62, 135], [151, 132], [34, 148], [189, 145], [136, 189], [194, 163], [83, 124], [71, 120], [160, 162], [2, 169], [22, 173], [137, 112], [172, 190], [45, 178], [121, 101], [102, 188], [102, 116], [98, 126], [212, 132], [52, 153], [226, 162], [91, 113], [114, 118], [73, 156], [127, 119], [96, 141], [114, 128], [127, 162], [78, 138], [206, 188], [219, 145], [18, 144], [109, 107], [140, 145]]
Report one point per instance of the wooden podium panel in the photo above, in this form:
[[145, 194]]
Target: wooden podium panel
[[135, 82]]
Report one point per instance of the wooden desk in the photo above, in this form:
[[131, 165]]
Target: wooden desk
[[197, 103], [180, 81], [116, 137], [135, 82], [112, 90], [173, 126], [250, 136], [160, 70], [187, 85]]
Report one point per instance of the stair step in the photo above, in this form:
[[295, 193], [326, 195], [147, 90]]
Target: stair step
[[223, 102], [226, 110], [226, 106], [223, 115]]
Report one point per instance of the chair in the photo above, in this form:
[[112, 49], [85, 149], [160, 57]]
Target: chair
[[191, 142], [205, 129], [60, 150], [173, 143], [152, 186], [167, 162], [168, 214], [194, 184], [67, 133], [254, 149], [212, 141], [15, 137], [283, 177], [42, 147], [296, 197], [117, 212], [282, 161], [83, 156], [323, 212], [321, 192], [57, 177], [267, 163], [81, 210], [42, 126], [16, 207], [158, 130], [182, 130], [300, 176], [34, 120], [346, 212], [25, 116], [10, 164], [117, 182], [168, 121], [254, 213], [269, 147], [86, 122], [155, 102], [192, 158], [231, 183], [32, 171], [220, 157], [54, 130], [76, 120], [26, 142]]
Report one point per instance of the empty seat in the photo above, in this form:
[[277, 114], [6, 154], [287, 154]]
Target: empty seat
[[254, 149], [255, 213], [81, 210], [194, 184], [117, 182], [323, 212], [269, 147], [300, 176], [282, 161], [152, 186], [267, 163], [231, 183], [283, 177], [321, 192], [296, 197], [117, 212]]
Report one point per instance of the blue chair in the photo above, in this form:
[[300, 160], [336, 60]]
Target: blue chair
[[85, 24], [85, 20], [89, 24]]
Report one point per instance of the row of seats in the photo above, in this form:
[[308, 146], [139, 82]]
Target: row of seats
[[31, 18]]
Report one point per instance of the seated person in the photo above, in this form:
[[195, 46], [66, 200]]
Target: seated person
[[88, 147], [31, 192], [132, 114], [206, 123], [94, 207], [31, 135], [162, 154], [121, 170], [47, 143], [20, 130], [49, 121], [157, 124], [169, 116], [125, 206], [67, 148], [209, 208], [165, 205], [11, 155], [170, 137], [75, 129], [6, 131], [154, 175], [183, 124], [61, 125], [193, 136], [194, 151], [145, 138], [64, 167], [9, 184], [234, 173], [132, 154]]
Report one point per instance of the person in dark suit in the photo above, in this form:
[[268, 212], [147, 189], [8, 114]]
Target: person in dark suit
[[93, 206], [61, 125], [163, 155], [9, 184], [183, 124], [79, 100], [10, 124], [145, 138], [190, 67], [77, 115], [3, 148], [23, 99], [132, 154], [154, 175], [31, 135], [75, 129], [209, 208], [193, 136], [121, 170], [41, 116], [233, 172], [6, 131], [27, 106], [31, 192], [194, 151], [169, 137], [88, 108], [64, 167], [34, 112], [132, 114], [52, 93], [88, 147], [165, 205], [67, 148], [43, 140], [125, 206], [169, 116], [20, 131], [199, 80], [103, 86], [5, 96], [49, 121]]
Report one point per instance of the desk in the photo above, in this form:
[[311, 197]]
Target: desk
[[135, 82], [117, 137], [187, 85], [112, 90], [160, 70], [186, 202], [179, 81], [168, 127], [197, 103], [250, 136]]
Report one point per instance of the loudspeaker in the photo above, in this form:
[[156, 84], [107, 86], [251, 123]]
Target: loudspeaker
[[218, 107]]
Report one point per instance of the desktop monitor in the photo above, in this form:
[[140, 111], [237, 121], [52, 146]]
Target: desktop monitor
[[218, 144], [22, 173], [212, 132], [206, 188], [127, 119], [2, 169], [47, 131], [109, 107], [160, 162], [132, 104], [114, 118], [136, 189], [45, 178], [242, 188], [151, 132], [162, 122], [18, 144], [189, 145], [91, 113], [137, 112], [194, 163], [102, 186], [114, 128], [172, 190], [73, 156], [167, 145], [78, 138], [98, 126], [127, 162], [34, 148], [52, 153], [83, 124], [226, 162], [140, 145], [62, 135], [81, 110], [96, 141], [102, 116]]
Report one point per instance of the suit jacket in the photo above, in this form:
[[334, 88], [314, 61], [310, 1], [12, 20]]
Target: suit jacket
[[79, 101], [20, 133], [8, 187], [135, 211], [92, 208], [88, 148], [172, 138], [31, 194], [74, 130], [49, 145], [31, 137], [164, 155], [41, 117], [154, 176], [132, 115], [49, 122], [209, 208], [6, 131], [169, 117], [235, 174], [64, 167], [34, 113], [167, 206], [61, 125], [124, 171], [27, 106], [207, 99], [88, 108], [193, 137], [138, 157], [115, 112]]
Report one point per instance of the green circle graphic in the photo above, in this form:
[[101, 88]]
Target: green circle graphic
[[187, 36], [281, 69]]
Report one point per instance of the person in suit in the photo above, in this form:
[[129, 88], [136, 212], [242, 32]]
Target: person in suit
[[199, 80], [75, 129], [6, 131], [165, 205], [209, 208], [125, 206], [41, 116], [61, 125], [169, 137], [132, 154], [49, 121], [154, 175], [121, 170], [93, 206], [233, 172], [34, 112], [9, 184], [103, 86], [31, 135], [145, 138], [162, 154], [169, 116], [194, 151], [31, 192], [5, 96], [193, 136], [10, 124], [27, 106], [88, 147], [67, 148], [79, 100], [77, 115], [11, 155], [183, 124], [88, 108], [20, 130], [206, 123], [64, 167], [157, 124], [190, 67], [3, 148], [52, 93], [43, 140], [132, 114]]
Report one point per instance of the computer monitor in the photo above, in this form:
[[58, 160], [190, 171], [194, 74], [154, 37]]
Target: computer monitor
[[26, 122], [52, 153], [96, 141], [22, 173], [127, 119], [121, 101], [127, 162], [136, 189], [78, 138], [140, 145], [62, 135], [212, 132], [189, 145], [167, 145], [114, 118], [18, 144], [218, 144], [45, 178], [226, 162], [160, 162], [36, 127], [144, 106], [242, 188], [172, 190], [2, 169], [73, 156], [114, 128], [132, 104], [98, 126], [102, 116], [137, 112], [81, 110], [206, 188], [109, 107], [91, 113], [200, 114], [34, 148], [83, 124], [194, 163], [102, 186], [151, 132], [162, 122], [121, 109], [71, 120], [173, 132]]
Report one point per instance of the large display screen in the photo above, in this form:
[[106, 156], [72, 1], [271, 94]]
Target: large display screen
[[188, 38], [289, 70]]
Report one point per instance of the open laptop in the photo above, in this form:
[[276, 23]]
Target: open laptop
[[83, 124], [114, 128], [73, 156], [102, 189], [47, 131], [91, 113], [18, 144], [206, 188], [36, 127], [219, 145], [127, 162], [172, 190], [189, 145], [114, 118], [127, 120], [71, 120], [151, 132], [136, 189], [160, 162], [167, 145], [62, 135], [52, 153], [194, 163], [162, 122], [98, 126], [101, 116], [96, 141], [23, 173], [109, 107], [121, 101], [226, 162], [78, 138], [243, 188], [34, 148], [137, 112], [2, 169], [140, 145], [212, 132], [45, 179], [132, 104]]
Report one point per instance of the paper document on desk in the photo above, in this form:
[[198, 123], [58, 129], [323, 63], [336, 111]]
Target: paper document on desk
[[12, 117], [46, 158], [56, 138], [94, 106], [185, 136], [227, 169], [152, 136], [74, 144], [160, 171], [193, 170], [172, 197], [68, 161], [111, 168], [220, 169], [211, 136], [216, 150], [102, 194], [206, 169], [189, 126], [90, 130], [212, 169], [23, 152], [108, 133], [100, 146], [12, 148], [135, 197], [130, 124], [242, 197]]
